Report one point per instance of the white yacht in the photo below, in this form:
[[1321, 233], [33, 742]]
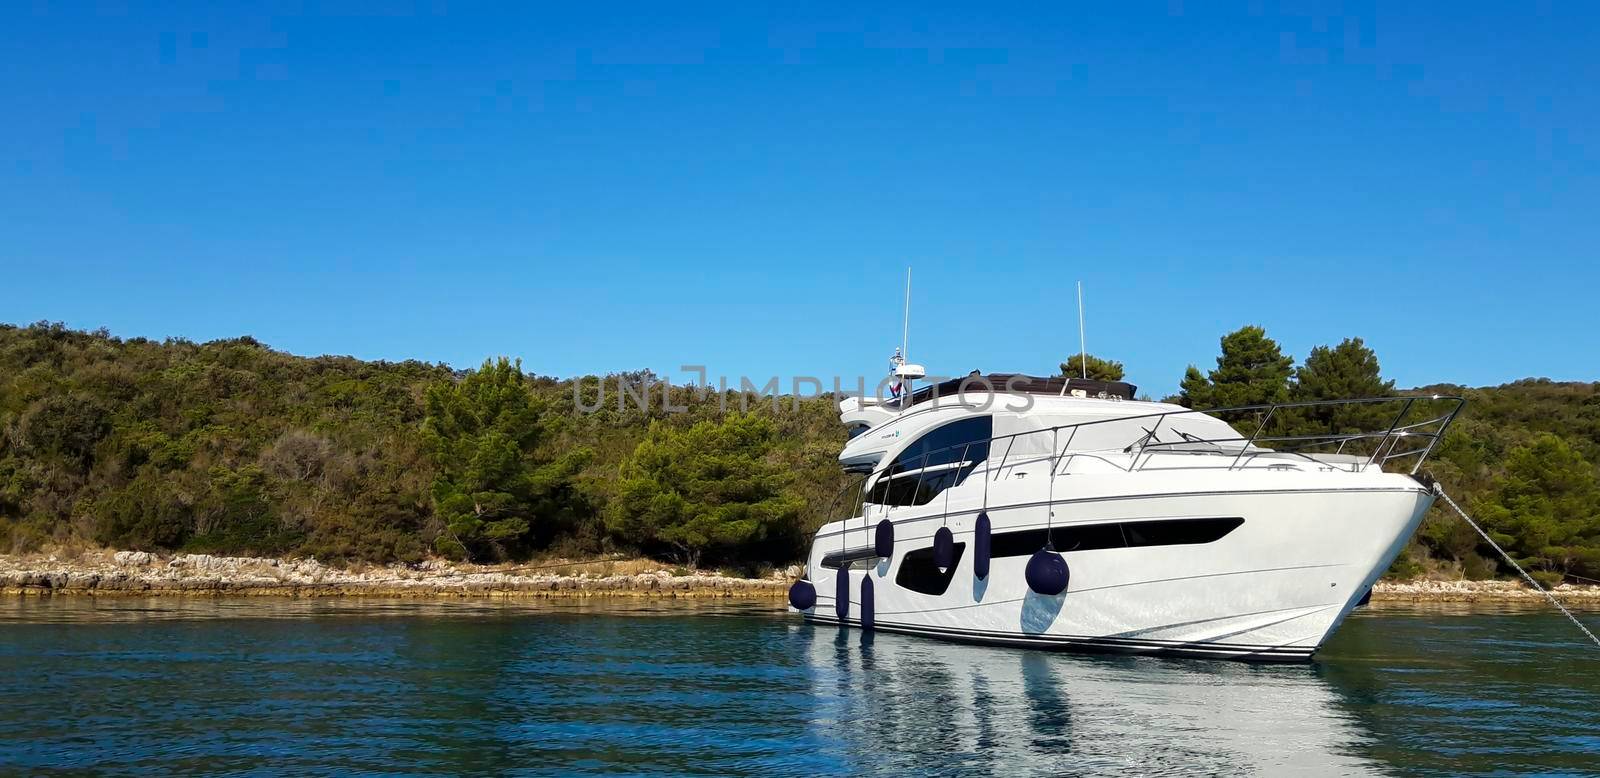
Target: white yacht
[[1061, 513]]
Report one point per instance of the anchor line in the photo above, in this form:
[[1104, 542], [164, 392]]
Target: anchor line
[[1439, 490]]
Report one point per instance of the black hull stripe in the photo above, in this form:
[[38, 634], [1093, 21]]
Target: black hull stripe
[[1120, 497], [1258, 653]]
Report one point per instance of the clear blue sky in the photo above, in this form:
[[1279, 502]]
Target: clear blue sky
[[597, 187]]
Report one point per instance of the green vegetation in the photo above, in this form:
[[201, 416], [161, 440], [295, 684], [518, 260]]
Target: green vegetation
[[496, 489], [1545, 508], [231, 447], [1348, 370], [1522, 456], [1252, 370], [708, 488], [1099, 369]]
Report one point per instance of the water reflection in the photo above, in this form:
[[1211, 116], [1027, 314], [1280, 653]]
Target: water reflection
[[1455, 689], [177, 685], [971, 709]]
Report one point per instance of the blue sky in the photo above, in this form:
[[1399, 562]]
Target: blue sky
[[597, 187]]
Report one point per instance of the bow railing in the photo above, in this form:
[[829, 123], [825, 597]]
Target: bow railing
[[1401, 441]]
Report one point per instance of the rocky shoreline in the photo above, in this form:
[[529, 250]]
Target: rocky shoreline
[[141, 573], [1480, 591]]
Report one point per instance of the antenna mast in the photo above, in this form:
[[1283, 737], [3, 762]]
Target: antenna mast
[[905, 328], [905, 373], [1083, 349]]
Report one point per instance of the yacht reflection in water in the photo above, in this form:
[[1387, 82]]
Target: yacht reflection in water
[[942, 707]]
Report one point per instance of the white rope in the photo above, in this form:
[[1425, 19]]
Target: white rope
[[1496, 546]]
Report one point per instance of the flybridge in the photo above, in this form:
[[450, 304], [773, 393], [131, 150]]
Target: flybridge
[[979, 391], [1017, 383]]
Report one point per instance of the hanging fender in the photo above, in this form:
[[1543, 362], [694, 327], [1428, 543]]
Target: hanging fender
[[802, 595], [1047, 572], [841, 594], [883, 539], [980, 546], [867, 603], [944, 549]]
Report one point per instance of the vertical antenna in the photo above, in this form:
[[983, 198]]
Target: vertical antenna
[[1083, 349], [905, 329]]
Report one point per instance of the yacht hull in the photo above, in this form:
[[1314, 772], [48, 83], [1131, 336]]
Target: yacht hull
[[1272, 588]]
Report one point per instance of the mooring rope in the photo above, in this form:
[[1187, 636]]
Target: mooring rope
[[1503, 555]]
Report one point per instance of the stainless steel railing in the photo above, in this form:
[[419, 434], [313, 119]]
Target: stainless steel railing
[[1239, 450], [1209, 453]]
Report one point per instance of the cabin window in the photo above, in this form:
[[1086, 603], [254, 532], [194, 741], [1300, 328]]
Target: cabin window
[[1127, 534], [1177, 533], [848, 558], [940, 459], [918, 573]]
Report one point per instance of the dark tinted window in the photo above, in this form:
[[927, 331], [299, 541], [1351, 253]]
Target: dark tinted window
[[1175, 533], [940, 459], [918, 574], [916, 488], [904, 490], [947, 444], [837, 559], [1077, 538], [1091, 537]]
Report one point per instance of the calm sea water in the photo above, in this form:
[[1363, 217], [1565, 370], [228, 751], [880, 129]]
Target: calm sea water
[[272, 686]]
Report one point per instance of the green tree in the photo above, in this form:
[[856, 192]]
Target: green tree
[[1545, 508], [67, 426], [1099, 369], [1345, 372], [238, 514], [233, 447], [1252, 370], [147, 514], [493, 486], [711, 489]]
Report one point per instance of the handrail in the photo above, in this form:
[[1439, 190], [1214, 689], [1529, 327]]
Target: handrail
[[1395, 431], [942, 467], [1404, 409], [1247, 444]]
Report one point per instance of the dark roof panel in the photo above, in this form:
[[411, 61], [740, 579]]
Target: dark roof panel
[[1017, 382]]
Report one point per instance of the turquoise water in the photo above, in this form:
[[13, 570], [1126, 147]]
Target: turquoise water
[[270, 686]]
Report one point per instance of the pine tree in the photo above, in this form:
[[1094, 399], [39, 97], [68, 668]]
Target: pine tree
[[1545, 508], [1099, 369], [709, 489], [1345, 372], [492, 487], [1252, 370], [1194, 391]]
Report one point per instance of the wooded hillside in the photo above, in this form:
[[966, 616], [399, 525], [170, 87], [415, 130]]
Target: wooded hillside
[[231, 447]]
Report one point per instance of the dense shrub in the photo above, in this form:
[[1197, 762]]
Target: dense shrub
[[231, 447]]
